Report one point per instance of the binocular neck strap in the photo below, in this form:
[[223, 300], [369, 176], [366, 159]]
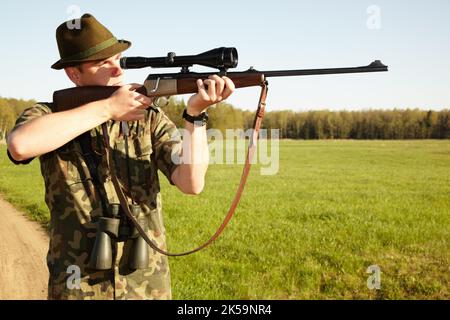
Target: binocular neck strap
[[125, 132], [250, 152], [92, 162]]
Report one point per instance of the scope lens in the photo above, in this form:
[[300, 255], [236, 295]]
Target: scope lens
[[230, 57]]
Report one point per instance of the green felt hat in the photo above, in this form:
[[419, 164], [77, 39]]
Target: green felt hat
[[87, 40]]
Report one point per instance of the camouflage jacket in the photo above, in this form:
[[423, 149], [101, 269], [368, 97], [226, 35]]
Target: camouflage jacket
[[74, 208]]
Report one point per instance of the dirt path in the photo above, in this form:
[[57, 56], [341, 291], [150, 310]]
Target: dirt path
[[23, 247]]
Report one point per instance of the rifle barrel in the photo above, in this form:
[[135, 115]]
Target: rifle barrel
[[375, 66]]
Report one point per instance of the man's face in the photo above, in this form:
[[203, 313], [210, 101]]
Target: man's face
[[100, 72]]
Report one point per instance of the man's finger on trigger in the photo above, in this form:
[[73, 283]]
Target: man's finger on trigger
[[141, 98], [146, 100], [143, 106]]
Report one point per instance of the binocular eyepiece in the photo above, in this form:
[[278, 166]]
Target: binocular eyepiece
[[221, 58], [109, 229]]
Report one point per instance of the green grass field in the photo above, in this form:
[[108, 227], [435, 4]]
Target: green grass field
[[311, 231]]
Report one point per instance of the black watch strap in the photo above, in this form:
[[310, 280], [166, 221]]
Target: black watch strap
[[199, 120]]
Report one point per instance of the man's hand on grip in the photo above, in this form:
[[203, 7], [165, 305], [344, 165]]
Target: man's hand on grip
[[127, 105]]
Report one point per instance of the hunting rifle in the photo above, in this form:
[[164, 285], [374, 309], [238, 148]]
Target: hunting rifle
[[184, 82]]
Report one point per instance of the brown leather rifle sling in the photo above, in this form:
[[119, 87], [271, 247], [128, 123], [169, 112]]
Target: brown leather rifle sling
[[250, 152]]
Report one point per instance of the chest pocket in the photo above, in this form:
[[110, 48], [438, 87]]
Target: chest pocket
[[138, 171], [73, 167], [76, 186]]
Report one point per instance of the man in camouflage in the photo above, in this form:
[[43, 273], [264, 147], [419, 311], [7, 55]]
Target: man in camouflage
[[90, 56]]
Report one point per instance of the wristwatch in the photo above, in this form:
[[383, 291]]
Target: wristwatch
[[199, 121]]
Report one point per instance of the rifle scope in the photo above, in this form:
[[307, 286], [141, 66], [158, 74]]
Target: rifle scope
[[221, 58]]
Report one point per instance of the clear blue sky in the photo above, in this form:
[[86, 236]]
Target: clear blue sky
[[412, 37]]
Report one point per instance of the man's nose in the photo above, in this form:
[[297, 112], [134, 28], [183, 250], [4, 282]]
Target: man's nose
[[116, 70]]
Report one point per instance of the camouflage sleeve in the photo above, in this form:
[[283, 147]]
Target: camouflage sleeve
[[166, 144], [29, 114]]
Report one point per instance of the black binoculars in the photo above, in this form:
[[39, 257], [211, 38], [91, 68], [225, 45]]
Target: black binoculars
[[111, 229]]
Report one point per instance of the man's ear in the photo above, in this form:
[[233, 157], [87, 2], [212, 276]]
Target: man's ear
[[74, 75]]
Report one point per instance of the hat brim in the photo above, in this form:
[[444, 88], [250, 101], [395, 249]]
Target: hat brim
[[116, 48]]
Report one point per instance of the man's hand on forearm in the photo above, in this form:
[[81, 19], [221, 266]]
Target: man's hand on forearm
[[210, 91]]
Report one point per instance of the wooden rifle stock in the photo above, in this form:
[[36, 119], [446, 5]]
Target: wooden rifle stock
[[77, 96]]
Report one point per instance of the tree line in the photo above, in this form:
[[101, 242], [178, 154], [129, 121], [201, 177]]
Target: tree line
[[322, 124], [10, 109], [326, 124]]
